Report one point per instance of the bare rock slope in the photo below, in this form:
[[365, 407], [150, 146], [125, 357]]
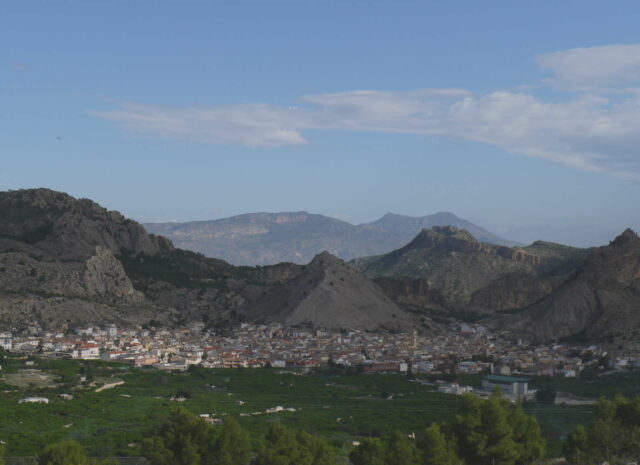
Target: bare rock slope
[[329, 293]]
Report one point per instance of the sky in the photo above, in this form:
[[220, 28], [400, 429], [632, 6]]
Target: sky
[[523, 117]]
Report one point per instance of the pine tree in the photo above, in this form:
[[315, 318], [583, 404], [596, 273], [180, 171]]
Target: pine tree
[[527, 435], [577, 445], [283, 446], [183, 439], [371, 451], [64, 453], [401, 451], [437, 449], [231, 446]]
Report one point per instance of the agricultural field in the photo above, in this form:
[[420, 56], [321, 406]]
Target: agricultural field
[[115, 421]]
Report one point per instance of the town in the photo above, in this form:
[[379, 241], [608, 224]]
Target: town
[[465, 348]]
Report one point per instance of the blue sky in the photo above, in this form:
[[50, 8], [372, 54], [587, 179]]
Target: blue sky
[[523, 117]]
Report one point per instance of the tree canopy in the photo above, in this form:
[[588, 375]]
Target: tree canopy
[[485, 432], [613, 436], [283, 446], [68, 453]]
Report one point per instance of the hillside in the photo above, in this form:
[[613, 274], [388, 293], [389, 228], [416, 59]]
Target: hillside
[[473, 275], [331, 294], [267, 238], [600, 301], [67, 261]]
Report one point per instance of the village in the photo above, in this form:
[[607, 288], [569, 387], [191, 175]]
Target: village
[[466, 348]]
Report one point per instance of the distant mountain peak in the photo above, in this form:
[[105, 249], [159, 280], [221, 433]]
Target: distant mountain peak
[[444, 236], [452, 231]]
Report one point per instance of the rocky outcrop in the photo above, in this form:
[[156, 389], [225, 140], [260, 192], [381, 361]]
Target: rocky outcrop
[[104, 275], [601, 299], [331, 294], [100, 276]]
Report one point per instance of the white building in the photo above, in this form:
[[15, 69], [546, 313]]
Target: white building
[[86, 352], [510, 386], [6, 341], [34, 400], [455, 389]]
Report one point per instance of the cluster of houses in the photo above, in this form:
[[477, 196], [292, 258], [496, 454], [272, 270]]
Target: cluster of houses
[[466, 348]]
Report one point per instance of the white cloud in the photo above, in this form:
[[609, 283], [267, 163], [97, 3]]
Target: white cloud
[[245, 124], [587, 131], [593, 67]]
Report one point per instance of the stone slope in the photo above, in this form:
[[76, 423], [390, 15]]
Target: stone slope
[[267, 238], [601, 299], [329, 293]]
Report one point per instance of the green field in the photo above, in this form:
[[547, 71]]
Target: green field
[[115, 421]]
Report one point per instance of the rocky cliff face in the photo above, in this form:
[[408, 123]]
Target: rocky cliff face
[[101, 275], [472, 275], [601, 299], [510, 291], [266, 238], [329, 293]]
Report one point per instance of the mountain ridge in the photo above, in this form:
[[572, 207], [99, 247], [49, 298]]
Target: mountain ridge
[[601, 298], [67, 261], [459, 266], [268, 238]]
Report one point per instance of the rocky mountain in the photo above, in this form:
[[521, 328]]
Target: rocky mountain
[[600, 300], [332, 294], [70, 261], [474, 276], [267, 238], [67, 261]]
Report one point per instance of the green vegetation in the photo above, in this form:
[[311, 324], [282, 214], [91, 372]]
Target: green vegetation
[[283, 446], [613, 437], [68, 453], [340, 407], [331, 410], [184, 439], [178, 267]]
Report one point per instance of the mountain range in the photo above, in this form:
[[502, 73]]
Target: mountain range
[[296, 237], [67, 262]]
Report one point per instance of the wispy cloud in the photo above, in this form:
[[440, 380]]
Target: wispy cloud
[[587, 130], [593, 68]]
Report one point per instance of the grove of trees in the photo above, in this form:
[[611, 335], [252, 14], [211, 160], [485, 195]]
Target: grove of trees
[[614, 436], [486, 432]]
